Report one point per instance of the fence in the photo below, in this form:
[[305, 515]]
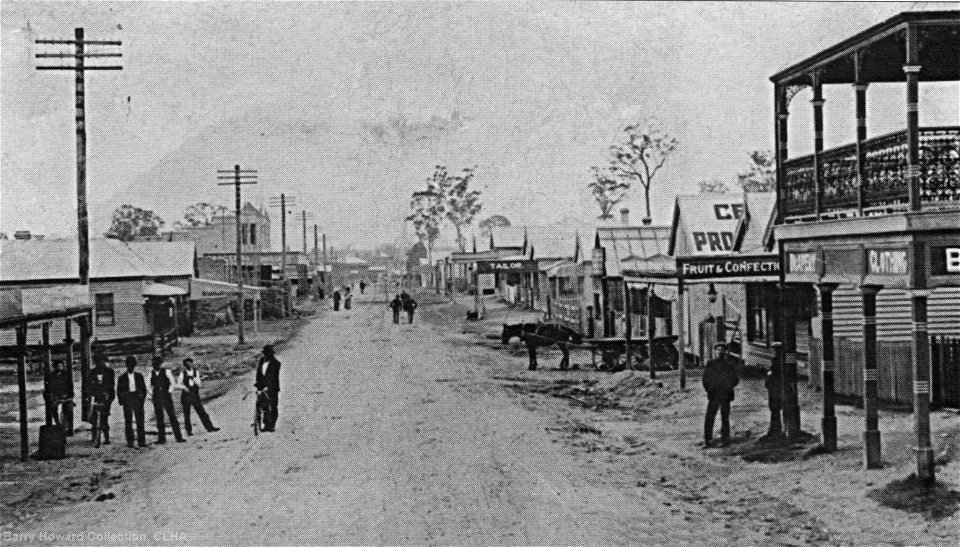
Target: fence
[[945, 369]]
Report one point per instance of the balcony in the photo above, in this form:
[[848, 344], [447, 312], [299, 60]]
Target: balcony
[[885, 189]]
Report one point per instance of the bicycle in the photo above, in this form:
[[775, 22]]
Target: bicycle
[[260, 410], [96, 432]]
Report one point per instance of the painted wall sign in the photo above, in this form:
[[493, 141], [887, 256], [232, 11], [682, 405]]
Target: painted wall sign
[[803, 263], [945, 260], [506, 266], [724, 267], [844, 264], [887, 262], [713, 242]]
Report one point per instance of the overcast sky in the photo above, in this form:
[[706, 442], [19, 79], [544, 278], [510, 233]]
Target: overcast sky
[[348, 106]]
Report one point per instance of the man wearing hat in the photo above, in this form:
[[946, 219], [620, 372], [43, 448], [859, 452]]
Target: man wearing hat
[[100, 386], [268, 378], [132, 392], [187, 381], [161, 384], [719, 379]]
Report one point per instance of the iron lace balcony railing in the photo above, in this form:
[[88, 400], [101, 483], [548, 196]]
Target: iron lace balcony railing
[[885, 170]]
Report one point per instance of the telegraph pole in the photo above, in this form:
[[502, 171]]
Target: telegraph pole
[[283, 202], [79, 68], [248, 176]]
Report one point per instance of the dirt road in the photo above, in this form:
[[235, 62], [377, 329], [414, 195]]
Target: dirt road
[[386, 436]]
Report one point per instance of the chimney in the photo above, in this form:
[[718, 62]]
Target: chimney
[[625, 216], [647, 221]]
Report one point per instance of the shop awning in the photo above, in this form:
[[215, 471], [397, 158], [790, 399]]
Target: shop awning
[[159, 289]]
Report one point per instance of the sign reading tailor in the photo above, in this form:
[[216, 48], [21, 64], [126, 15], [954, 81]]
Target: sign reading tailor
[[720, 267], [505, 266]]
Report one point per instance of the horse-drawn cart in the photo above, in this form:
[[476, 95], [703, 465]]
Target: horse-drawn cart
[[613, 353]]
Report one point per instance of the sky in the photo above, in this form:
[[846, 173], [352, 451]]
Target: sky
[[348, 106]]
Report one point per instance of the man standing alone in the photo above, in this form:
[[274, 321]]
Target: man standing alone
[[131, 392], [719, 379], [161, 384], [268, 379], [188, 383]]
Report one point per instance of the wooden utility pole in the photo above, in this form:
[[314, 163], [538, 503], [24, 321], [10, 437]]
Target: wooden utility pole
[[283, 202], [79, 67], [238, 176], [316, 253]]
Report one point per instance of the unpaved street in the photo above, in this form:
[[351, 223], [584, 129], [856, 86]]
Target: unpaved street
[[386, 436]]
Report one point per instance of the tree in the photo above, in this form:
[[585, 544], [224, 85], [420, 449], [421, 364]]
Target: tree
[[488, 224], [762, 174], [713, 186], [202, 214], [427, 217], [607, 190], [461, 203], [131, 222], [641, 156]]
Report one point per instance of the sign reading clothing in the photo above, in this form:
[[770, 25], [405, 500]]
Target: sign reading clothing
[[506, 266], [721, 267]]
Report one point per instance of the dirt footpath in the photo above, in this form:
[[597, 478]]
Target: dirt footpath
[[412, 434]]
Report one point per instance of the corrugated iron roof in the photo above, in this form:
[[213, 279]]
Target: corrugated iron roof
[[634, 248], [52, 259]]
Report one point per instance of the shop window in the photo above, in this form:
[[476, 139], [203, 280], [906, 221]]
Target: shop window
[[104, 309], [760, 298], [253, 234]]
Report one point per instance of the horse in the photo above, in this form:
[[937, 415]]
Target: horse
[[535, 335]]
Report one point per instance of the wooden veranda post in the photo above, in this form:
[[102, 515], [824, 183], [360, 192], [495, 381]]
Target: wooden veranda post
[[47, 358], [681, 333], [68, 342], [85, 325], [628, 324], [829, 420], [22, 390], [651, 330], [871, 434]]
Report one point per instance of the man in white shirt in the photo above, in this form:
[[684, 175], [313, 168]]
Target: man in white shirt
[[187, 382], [161, 384]]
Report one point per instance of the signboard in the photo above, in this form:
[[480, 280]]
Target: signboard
[[708, 223], [506, 266], [945, 260], [803, 263], [486, 282], [887, 262], [726, 267]]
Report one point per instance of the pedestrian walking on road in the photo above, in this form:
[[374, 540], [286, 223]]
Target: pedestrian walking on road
[[336, 300], [348, 301], [719, 379], [101, 387], [363, 286], [187, 382], [58, 395], [161, 384], [268, 378], [132, 392], [396, 305], [409, 305]]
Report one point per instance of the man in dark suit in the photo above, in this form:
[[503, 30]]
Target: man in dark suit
[[58, 395], [719, 378], [268, 378], [131, 392], [100, 384], [161, 384]]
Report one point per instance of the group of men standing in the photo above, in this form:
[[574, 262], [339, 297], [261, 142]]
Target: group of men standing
[[404, 302], [130, 389]]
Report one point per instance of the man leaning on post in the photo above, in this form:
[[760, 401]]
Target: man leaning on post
[[719, 379]]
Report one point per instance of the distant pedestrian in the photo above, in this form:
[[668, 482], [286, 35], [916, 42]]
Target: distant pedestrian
[[409, 305], [161, 385], [187, 381], [320, 293], [101, 388], [58, 395], [347, 301], [719, 379], [396, 305], [363, 286], [268, 379], [336, 300], [132, 392]]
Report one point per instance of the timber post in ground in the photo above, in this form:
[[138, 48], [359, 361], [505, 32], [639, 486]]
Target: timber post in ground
[[829, 420], [871, 433]]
